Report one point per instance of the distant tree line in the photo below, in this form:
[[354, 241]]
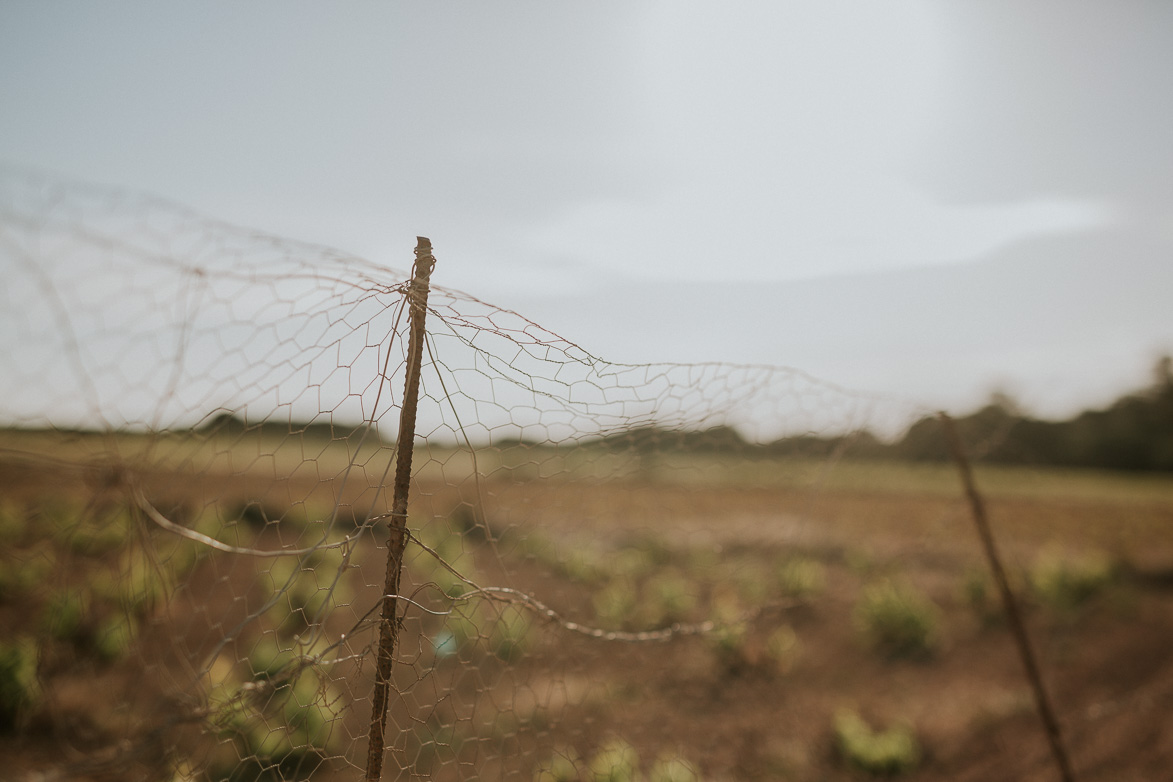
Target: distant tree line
[[1133, 433]]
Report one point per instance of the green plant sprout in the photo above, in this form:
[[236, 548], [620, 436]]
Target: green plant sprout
[[19, 689], [1066, 582], [897, 619], [886, 752]]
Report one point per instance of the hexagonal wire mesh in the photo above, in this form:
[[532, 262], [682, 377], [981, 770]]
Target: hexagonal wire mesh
[[200, 433]]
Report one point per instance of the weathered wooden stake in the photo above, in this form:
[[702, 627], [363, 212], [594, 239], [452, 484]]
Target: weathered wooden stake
[[1013, 615], [417, 300]]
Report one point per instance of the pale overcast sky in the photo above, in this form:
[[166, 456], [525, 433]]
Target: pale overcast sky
[[555, 149], [564, 142]]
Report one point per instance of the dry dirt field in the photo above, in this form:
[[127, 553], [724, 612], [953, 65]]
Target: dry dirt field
[[855, 632]]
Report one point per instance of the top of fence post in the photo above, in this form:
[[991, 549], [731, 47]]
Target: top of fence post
[[421, 271]]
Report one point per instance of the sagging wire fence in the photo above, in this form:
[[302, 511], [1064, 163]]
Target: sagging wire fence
[[274, 512]]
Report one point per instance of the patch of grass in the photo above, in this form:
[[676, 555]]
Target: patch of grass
[[1067, 582], [23, 573], [505, 631], [458, 635], [114, 637], [784, 648], [897, 619], [301, 717], [584, 565], [879, 752], [451, 548], [306, 585], [702, 560], [256, 516], [534, 546], [436, 743], [64, 614], [54, 516], [589, 564], [211, 520], [98, 533], [585, 562], [630, 562], [179, 555], [615, 604], [509, 637], [977, 591], [801, 578], [672, 768], [138, 583], [616, 761], [145, 583], [859, 562], [752, 580], [561, 766], [280, 719], [654, 548], [667, 597], [12, 523], [84, 530], [730, 636], [269, 657], [19, 688]]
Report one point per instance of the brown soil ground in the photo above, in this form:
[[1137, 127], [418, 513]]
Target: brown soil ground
[[735, 714]]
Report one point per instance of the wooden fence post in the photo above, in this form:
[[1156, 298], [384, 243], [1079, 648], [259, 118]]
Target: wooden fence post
[[417, 300], [1013, 615]]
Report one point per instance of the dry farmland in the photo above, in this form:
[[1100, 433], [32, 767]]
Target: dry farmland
[[833, 620]]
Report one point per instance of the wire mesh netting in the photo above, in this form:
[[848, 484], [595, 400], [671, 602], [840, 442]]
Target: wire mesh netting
[[614, 571]]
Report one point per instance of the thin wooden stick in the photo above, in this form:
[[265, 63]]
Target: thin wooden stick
[[1025, 650], [417, 297]]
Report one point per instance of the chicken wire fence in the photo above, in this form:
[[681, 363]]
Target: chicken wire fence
[[200, 432]]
